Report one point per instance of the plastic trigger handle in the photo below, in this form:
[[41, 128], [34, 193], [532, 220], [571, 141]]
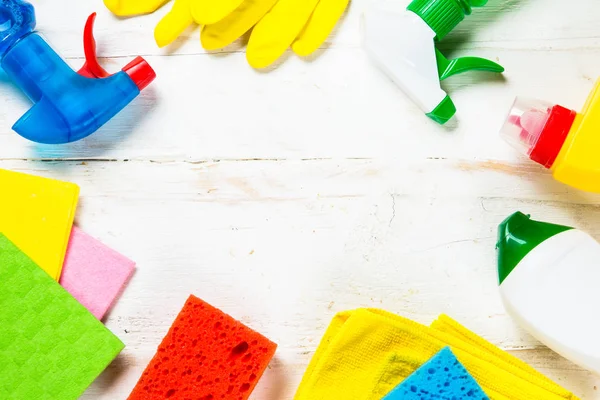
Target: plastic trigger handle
[[91, 68], [448, 68], [138, 70]]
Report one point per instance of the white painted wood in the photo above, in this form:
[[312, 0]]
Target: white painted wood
[[287, 196]]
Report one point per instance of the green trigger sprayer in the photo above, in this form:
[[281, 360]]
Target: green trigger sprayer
[[403, 44]]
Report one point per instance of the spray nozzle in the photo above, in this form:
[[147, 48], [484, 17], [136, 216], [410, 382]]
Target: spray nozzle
[[411, 58]]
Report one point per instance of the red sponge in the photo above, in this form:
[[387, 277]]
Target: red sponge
[[207, 355]]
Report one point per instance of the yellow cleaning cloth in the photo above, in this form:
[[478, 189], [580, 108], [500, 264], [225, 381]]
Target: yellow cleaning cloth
[[278, 24], [36, 214], [366, 353], [452, 328]]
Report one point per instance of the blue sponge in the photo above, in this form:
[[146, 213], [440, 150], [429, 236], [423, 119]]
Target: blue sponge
[[441, 378]]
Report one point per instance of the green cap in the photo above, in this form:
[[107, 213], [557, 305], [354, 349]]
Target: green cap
[[517, 236], [443, 15]]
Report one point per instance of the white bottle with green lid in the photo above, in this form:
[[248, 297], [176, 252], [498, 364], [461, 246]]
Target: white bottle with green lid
[[549, 281], [403, 44]]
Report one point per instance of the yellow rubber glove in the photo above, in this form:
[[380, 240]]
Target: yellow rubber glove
[[278, 24], [124, 8], [366, 353], [233, 25], [171, 26], [208, 12], [174, 23]]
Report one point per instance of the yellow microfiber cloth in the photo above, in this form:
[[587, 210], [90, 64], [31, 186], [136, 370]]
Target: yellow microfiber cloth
[[452, 328], [366, 353], [36, 214]]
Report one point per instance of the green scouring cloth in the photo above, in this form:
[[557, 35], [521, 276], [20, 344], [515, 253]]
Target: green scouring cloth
[[51, 347]]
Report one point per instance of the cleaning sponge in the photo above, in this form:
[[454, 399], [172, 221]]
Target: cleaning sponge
[[206, 355], [51, 347], [36, 214], [441, 378], [94, 273]]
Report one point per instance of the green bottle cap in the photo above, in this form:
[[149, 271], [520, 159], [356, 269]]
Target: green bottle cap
[[517, 236], [443, 15]]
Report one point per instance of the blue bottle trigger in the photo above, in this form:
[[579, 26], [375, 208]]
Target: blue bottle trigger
[[69, 105]]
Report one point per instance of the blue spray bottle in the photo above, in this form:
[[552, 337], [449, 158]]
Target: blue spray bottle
[[68, 105]]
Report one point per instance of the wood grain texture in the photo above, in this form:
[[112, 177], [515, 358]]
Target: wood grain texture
[[285, 197]]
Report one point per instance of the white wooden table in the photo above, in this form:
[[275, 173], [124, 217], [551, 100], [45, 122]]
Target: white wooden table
[[285, 197]]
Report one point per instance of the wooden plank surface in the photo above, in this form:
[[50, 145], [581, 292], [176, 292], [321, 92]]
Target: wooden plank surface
[[285, 197]]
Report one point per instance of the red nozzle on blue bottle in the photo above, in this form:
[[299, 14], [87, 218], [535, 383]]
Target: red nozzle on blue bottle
[[68, 105]]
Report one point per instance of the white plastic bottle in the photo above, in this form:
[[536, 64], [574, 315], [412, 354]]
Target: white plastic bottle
[[550, 284]]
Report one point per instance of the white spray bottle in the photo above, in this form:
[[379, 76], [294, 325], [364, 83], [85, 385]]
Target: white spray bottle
[[402, 43]]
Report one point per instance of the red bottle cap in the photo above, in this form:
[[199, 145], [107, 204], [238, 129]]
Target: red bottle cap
[[538, 129], [553, 136]]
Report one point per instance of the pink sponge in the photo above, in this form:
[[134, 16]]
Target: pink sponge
[[93, 273], [207, 355]]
